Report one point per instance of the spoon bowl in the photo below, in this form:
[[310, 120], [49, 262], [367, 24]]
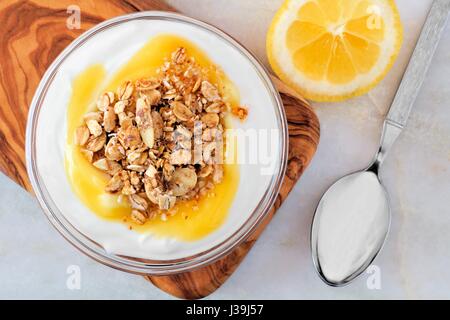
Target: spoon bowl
[[350, 226]]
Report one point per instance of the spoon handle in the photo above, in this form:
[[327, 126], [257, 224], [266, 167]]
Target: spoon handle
[[413, 78], [418, 65]]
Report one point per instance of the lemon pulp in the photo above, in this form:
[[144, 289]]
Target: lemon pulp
[[336, 48]]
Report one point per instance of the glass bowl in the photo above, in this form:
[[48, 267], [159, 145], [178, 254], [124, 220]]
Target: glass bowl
[[44, 176]]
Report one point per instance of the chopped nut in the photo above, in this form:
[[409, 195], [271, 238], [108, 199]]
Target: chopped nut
[[208, 152], [148, 136], [95, 115], [182, 112], [152, 192], [179, 56], [206, 171], [138, 202], [101, 164], [129, 137], [133, 155], [115, 184], [111, 96], [105, 100], [165, 201], [135, 179], [143, 113], [95, 144], [211, 120], [147, 84], [157, 124], [183, 180], [142, 159], [182, 133], [128, 189], [114, 150], [214, 107], [125, 90], [196, 85], [151, 171], [135, 167], [153, 97], [139, 217], [209, 91], [113, 167], [145, 122], [81, 135], [94, 127], [109, 119], [89, 155], [120, 105], [124, 120], [209, 134], [180, 156], [168, 170]]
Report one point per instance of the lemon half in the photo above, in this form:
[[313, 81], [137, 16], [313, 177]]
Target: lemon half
[[332, 50]]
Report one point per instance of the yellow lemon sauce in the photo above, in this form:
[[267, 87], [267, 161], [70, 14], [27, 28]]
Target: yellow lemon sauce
[[188, 220]]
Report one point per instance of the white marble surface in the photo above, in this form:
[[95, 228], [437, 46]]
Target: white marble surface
[[414, 262]]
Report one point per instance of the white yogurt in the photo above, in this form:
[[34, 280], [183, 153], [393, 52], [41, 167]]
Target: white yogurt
[[352, 220], [112, 48]]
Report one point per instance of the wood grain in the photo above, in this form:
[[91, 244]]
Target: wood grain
[[34, 32]]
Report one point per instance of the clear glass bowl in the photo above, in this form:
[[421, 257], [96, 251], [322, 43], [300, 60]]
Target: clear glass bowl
[[145, 266]]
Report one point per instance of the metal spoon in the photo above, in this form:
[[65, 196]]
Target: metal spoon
[[343, 251]]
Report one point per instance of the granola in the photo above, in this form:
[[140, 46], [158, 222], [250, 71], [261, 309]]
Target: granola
[[240, 112], [160, 139]]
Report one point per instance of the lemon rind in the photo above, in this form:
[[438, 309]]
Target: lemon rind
[[320, 97]]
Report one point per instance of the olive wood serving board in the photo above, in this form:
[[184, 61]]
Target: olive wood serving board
[[34, 32]]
